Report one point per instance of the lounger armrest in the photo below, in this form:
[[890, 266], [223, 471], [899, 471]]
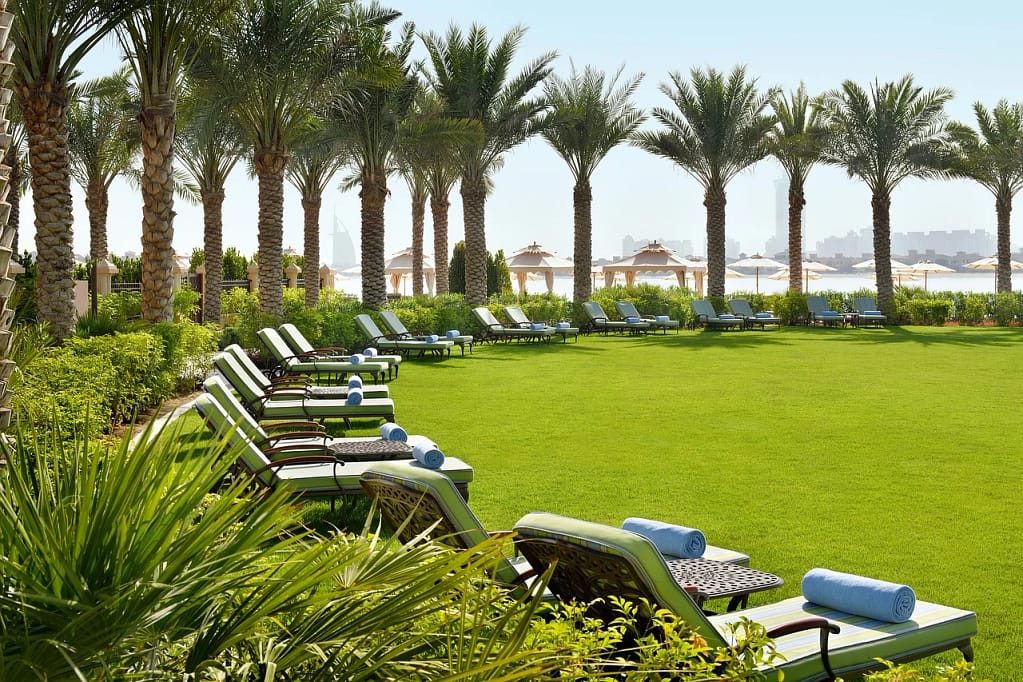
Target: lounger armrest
[[826, 627], [306, 459], [272, 442], [295, 424], [311, 450], [291, 381], [331, 349], [284, 390]]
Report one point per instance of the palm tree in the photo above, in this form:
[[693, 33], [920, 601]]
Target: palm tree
[[994, 158], [471, 77], [313, 163], [589, 119], [895, 131], [210, 146], [102, 141], [159, 41], [797, 142], [51, 39], [719, 130], [15, 158]]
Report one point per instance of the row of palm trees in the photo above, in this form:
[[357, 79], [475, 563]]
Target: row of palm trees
[[304, 89]]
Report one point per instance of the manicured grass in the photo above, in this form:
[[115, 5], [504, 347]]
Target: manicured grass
[[892, 453]]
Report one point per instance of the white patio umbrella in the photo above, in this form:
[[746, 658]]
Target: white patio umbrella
[[756, 262], [927, 266], [535, 259], [400, 265], [783, 274], [991, 263], [869, 265]]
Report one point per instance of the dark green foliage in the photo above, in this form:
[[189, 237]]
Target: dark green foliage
[[498, 276], [928, 311], [971, 309], [136, 358], [235, 264], [128, 269], [1008, 308], [456, 270], [23, 300], [187, 352], [66, 393], [649, 299]]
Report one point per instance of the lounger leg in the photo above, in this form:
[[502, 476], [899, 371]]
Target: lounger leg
[[967, 650]]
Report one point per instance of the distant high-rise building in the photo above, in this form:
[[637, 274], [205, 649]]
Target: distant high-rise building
[[344, 249], [779, 243]]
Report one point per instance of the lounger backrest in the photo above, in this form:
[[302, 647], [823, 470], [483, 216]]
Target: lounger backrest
[[234, 410], [295, 339], [245, 363], [367, 326], [594, 311], [626, 309], [516, 315], [228, 365], [271, 338], [817, 305], [249, 456], [392, 322], [741, 307], [486, 317], [703, 308], [595, 561], [865, 303]]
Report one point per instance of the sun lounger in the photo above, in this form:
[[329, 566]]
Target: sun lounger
[[594, 561], [301, 348], [519, 319], [741, 307], [867, 312], [243, 369], [494, 330], [307, 475], [597, 320], [627, 309], [375, 337], [333, 371], [397, 328], [704, 314], [822, 314]]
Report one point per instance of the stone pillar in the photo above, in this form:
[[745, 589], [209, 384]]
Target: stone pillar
[[291, 272], [180, 271], [252, 273], [105, 271], [326, 277]]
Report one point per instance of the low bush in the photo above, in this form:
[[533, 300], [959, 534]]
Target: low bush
[[927, 311], [971, 309], [1008, 308], [66, 392], [137, 359]]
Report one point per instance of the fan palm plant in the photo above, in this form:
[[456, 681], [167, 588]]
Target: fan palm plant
[[102, 141], [718, 130], [797, 142], [893, 132], [993, 156], [471, 76], [588, 120], [51, 38]]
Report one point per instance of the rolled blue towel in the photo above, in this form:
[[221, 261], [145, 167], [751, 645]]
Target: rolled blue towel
[[763, 315], [452, 334], [537, 326], [391, 431], [354, 396], [632, 319], [429, 455], [356, 358], [860, 596], [563, 325], [662, 318], [432, 338], [872, 312], [726, 316], [370, 352], [668, 538], [355, 381]]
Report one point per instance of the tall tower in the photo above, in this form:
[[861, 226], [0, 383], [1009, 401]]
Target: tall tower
[[344, 249]]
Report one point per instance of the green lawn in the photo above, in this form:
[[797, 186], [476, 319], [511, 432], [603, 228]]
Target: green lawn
[[893, 453]]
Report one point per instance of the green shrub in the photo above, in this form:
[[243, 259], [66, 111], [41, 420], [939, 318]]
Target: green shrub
[[790, 307], [66, 393], [137, 359], [186, 303], [1007, 308], [972, 309], [240, 313], [188, 350], [929, 311]]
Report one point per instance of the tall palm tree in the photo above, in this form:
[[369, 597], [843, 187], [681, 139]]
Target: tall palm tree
[[51, 39], [211, 146], [588, 120], [102, 141], [274, 64], [797, 142], [994, 158], [893, 132], [313, 163], [15, 158], [160, 40], [719, 130], [471, 76]]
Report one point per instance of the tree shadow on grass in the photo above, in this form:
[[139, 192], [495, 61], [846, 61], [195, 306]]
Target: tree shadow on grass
[[890, 335]]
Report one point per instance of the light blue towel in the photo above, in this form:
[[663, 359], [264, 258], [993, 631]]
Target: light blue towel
[[860, 596], [452, 333], [355, 381], [370, 352], [726, 316], [391, 431], [432, 338], [662, 318], [354, 396], [763, 315], [872, 312], [537, 326], [632, 319], [356, 358], [429, 455], [668, 538], [563, 325]]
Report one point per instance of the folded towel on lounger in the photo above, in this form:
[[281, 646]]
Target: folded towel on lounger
[[563, 325], [726, 316], [537, 326], [452, 333], [391, 431], [355, 381], [370, 352], [357, 358], [632, 319], [858, 595], [662, 318], [429, 455], [354, 396], [668, 538], [432, 338], [872, 312], [763, 315]]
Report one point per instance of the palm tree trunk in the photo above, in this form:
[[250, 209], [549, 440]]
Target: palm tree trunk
[[582, 202], [43, 113], [1003, 273], [474, 197], [714, 200], [213, 250], [156, 125], [881, 204], [97, 202], [270, 163], [14, 194], [439, 210], [418, 228], [311, 248], [797, 200], [374, 282]]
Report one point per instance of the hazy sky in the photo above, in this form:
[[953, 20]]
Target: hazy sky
[[971, 48]]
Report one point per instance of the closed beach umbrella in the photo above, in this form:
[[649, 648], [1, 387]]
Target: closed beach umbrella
[[927, 266], [535, 259], [756, 262]]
